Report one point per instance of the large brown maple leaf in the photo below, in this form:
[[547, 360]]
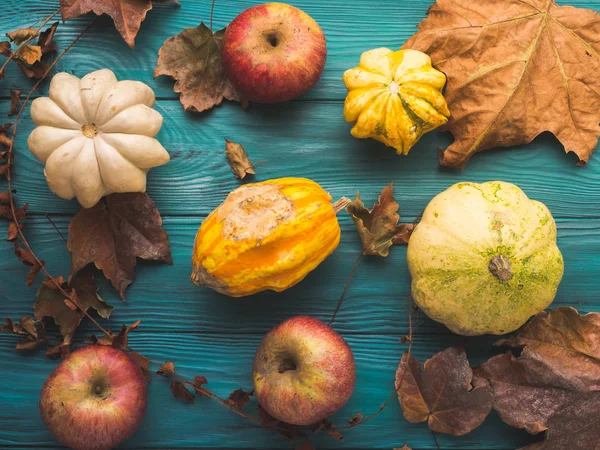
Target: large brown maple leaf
[[127, 15], [515, 69]]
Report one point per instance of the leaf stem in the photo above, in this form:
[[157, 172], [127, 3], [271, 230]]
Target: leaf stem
[[212, 10]]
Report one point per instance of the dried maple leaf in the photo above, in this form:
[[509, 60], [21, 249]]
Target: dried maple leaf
[[378, 228], [113, 233], [576, 427], [515, 69], [179, 391], [22, 35], [238, 160], [442, 393], [568, 343], [193, 59], [14, 101], [239, 398], [557, 370], [127, 15]]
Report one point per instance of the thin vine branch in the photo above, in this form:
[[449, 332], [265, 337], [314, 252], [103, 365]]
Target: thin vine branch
[[341, 300], [10, 57]]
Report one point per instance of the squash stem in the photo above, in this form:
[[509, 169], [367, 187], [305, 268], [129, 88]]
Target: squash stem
[[500, 267], [341, 204]]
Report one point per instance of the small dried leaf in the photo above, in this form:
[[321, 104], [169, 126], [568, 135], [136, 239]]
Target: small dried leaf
[[85, 285], [45, 40], [13, 230], [38, 69], [29, 345], [238, 160], [30, 53], [22, 35], [114, 233], [143, 362], [167, 368], [28, 326], [199, 381], [355, 420], [193, 59], [14, 101], [378, 228], [51, 303], [329, 428], [442, 393], [54, 283], [179, 391], [239, 398], [5, 49]]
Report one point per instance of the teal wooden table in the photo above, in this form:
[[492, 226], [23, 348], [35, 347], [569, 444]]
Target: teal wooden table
[[215, 336]]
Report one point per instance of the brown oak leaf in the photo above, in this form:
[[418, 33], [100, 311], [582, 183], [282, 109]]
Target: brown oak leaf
[[113, 233], [22, 35], [127, 15], [179, 391], [515, 69], [239, 398], [193, 59], [378, 228], [238, 160], [443, 393]]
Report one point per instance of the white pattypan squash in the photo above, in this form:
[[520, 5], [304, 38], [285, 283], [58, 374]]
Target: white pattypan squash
[[96, 136]]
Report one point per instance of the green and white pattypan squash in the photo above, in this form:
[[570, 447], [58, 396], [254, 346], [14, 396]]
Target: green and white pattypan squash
[[484, 258], [96, 135]]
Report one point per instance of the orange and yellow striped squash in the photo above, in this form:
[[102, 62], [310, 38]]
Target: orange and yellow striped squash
[[266, 235]]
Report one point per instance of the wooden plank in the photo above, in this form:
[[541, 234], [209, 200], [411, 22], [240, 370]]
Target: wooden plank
[[164, 298], [226, 361], [312, 140], [350, 30]]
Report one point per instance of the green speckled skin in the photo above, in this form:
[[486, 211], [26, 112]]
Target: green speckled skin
[[449, 254]]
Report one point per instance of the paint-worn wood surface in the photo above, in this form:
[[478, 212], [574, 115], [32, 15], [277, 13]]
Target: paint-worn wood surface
[[211, 335]]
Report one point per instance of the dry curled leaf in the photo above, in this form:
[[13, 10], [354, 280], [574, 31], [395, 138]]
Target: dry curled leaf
[[46, 37], [29, 53], [127, 15], [568, 343], [442, 393], [27, 258], [554, 383], [239, 398], [238, 160], [113, 233], [355, 420], [378, 228], [515, 69], [193, 59], [199, 381], [15, 96], [121, 340], [167, 368], [22, 35], [179, 391]]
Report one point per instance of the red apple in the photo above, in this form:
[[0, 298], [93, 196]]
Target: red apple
[[273, 52], [94, 399], [303, 371]]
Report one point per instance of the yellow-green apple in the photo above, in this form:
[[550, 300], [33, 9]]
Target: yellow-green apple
[[303, 371], [273, 52], [95, 398]]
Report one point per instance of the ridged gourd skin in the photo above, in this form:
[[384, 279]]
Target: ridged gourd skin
[[484, 258], [266, 235], [395, 97]]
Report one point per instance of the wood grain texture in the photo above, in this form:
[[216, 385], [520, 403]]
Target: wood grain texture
[[311, 139], [226, 362], [212, 335], [376, 303]]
